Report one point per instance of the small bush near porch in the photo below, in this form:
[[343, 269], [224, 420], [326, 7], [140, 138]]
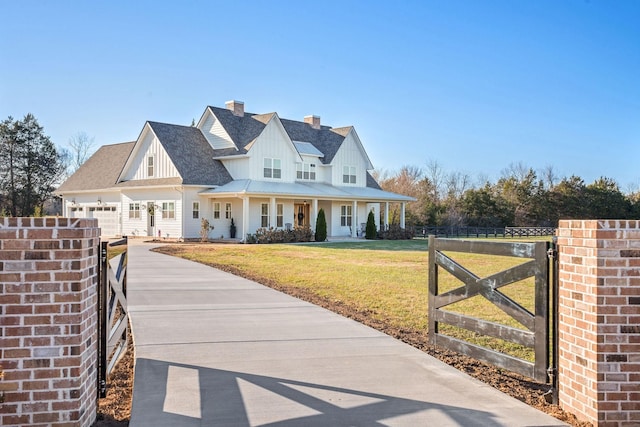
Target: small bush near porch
[[276, 235]]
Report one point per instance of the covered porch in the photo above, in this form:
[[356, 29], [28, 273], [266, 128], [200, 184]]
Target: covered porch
[[259, 204]]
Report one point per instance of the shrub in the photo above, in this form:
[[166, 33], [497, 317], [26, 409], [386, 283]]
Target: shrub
[[277, 235], [395, 232], [371, 232], [205, 228], [321, 227]]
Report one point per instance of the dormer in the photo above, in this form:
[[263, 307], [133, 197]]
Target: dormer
[[212, 129]]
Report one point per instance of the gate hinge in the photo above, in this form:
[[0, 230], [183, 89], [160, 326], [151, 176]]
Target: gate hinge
[[552, 253]]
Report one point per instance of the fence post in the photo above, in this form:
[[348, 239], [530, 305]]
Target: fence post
[[599, 308]]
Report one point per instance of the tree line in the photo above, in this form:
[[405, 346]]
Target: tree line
[[32, 167], [521, 197]]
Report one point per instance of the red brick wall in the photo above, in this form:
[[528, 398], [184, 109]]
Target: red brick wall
[[48, 323], [599, 321]]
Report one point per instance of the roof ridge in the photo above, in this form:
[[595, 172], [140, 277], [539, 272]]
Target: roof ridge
[[171, 124]]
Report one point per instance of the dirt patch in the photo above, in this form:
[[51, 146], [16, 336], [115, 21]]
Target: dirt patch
[[115, 409]]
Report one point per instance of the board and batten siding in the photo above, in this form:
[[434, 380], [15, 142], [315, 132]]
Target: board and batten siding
[[163, 167], [237, 168], [169, 228], [274, 143], [215, 133], [349, 154], [191, 224]]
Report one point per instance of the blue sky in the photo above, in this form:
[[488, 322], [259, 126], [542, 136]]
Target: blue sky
[[473, 85]]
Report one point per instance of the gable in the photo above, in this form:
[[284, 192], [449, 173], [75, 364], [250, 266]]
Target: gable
[[149, 147], [213, 130], [273, 142], [353, 151]]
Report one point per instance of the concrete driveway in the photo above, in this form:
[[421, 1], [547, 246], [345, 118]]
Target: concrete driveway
[[213, 349]]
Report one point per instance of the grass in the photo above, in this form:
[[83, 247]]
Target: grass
[[386, 279]]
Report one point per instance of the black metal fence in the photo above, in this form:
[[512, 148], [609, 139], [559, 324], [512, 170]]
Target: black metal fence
[[454, 231]]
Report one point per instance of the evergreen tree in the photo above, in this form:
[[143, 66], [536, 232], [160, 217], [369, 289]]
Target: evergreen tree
[[371, 232], [30, 166], [321, 227]]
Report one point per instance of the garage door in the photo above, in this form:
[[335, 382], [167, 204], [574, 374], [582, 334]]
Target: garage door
[[107, 217]]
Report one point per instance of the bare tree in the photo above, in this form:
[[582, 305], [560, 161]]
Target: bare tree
[[549, 177], [81, 148], [437, 178], [519, 171], [457, 183]]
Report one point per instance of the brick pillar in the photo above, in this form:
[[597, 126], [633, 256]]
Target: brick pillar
[[48, 323], [599, 321]]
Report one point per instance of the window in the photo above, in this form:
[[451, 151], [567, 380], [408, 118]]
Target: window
[[216, 210], [150, 166], [272, 168], [345, 215], [264, 218], [306, 171], [134, 210], [168, 210], [349, 175], [227, 211], [195, 212], [279, 215]]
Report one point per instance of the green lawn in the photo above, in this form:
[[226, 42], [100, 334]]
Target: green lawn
[[386, 279]]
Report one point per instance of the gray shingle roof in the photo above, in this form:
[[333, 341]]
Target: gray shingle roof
[[243, 130], [191, 154], [101, 170]]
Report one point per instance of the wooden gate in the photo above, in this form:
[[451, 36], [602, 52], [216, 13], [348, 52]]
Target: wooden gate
[[113, 320], [536, 334]]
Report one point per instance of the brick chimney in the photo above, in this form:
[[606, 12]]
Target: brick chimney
[[314, 121], [237, 107]]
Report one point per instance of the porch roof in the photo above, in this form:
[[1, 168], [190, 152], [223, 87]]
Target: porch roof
[[248, 187]]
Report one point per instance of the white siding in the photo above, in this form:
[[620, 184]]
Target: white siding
[[192, 225], [237, 168], [163, 167], [215, 133], [222, 225], [349, 154], [133, 226], [334, 220], [273, 142], [171, 228], [324, 173]]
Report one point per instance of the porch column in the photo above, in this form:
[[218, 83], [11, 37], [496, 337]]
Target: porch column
[[272, 212], [402, 210], [314, 214], [354, 219], [386, 215], [245, 217]]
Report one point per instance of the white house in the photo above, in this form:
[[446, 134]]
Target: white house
[[258, 169]]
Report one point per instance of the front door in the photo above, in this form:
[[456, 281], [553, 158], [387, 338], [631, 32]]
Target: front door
[[151, 219], [301, 215]]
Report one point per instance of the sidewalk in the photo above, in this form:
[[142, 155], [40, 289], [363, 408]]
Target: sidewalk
[[213, 349]]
